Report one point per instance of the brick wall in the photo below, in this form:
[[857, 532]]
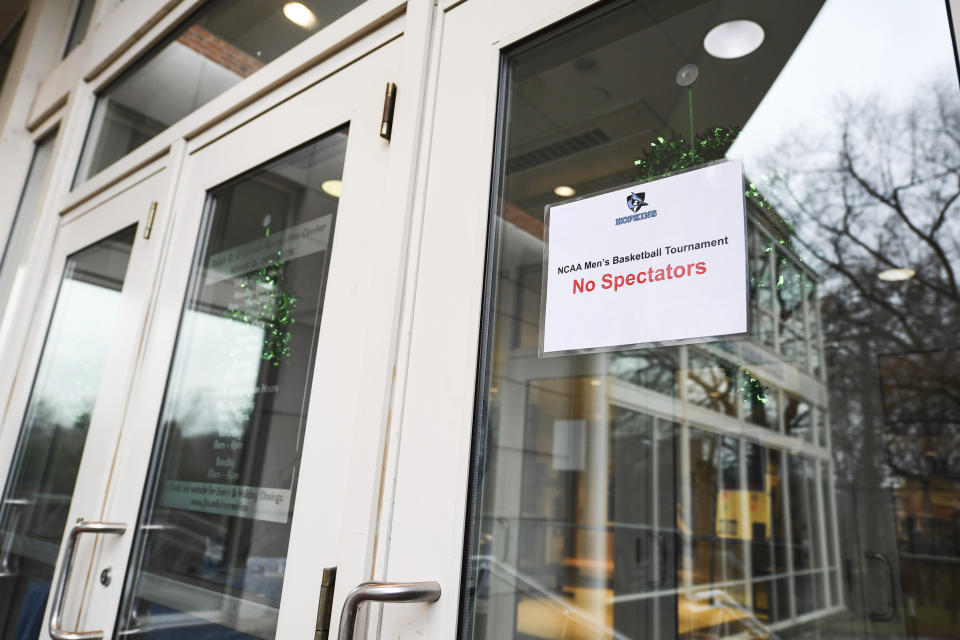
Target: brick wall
[[219, 51]]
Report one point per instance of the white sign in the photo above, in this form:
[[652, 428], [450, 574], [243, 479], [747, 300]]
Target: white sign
[[654, 262]]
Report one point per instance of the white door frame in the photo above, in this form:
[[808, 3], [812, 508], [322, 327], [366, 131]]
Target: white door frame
[[349, 400], [86, 227], [440, 363]]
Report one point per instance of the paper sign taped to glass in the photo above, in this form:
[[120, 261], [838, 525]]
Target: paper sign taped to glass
[[651, 263]]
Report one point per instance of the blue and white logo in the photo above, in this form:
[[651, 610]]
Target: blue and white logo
[[634, 202], [637, 200]]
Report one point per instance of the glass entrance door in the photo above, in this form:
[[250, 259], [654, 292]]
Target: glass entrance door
[[62, 416], [793, 481], [249, 461]]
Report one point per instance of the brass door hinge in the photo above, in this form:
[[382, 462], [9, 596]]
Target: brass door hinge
[[325, 608], [151, 215], [389, 101]]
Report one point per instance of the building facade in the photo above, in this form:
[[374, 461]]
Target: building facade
[[202, 438]]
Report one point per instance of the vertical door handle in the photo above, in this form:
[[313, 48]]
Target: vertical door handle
[[658, 541], [892, 604], [13, 506], [383, 592], [56, 609]]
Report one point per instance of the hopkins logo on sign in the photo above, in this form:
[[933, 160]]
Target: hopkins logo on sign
[[637, 200], [634, 202]]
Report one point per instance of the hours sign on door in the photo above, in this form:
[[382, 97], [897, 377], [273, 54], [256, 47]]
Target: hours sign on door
[[655, 262]]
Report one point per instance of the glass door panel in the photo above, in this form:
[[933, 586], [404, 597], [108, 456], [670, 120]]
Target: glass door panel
[[216, 47], [248, 400], [211, 549], [70, 390], [36, 499], [797, 481]]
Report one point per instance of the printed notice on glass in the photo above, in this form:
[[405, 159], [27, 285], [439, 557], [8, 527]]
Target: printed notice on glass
[[654, 262], [260, 503]]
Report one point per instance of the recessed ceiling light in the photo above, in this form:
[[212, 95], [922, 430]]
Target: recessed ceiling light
[[299, 14], [564, 191], [331, 187], [733, 39], [896, 275]]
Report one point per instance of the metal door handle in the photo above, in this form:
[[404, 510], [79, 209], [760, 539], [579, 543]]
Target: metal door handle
[[56, 609], [383, 592], [892, 608], [6, 571], [657, 540]]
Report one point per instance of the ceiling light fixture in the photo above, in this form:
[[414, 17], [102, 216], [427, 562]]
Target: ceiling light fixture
[[896, 275], [331, 187], [300, 15], [687, 75], [564, 191], [733, 39]]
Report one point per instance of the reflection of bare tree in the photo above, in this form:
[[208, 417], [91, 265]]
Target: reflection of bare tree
[[651, 368], [885, 195], [882, 193], [884, 198]]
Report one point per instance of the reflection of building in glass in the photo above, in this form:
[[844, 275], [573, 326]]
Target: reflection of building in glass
[[678, 490], [921, 405]]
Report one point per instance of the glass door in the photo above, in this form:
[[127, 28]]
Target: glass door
[[65, 411], [251, 460], [795, 481]]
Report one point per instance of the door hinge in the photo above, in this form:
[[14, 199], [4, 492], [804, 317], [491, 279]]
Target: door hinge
[[151, 215], [389, 100], [325, 608]]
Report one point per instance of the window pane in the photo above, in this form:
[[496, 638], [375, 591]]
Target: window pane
[[653, 369], [13, 274], [211, 546], [7, 46], [636, 546], [797, 420], [828, 523], [759, 402], [712, 383], [217, 47], [760, 248], [715, 509], [844, 181], [38, 491], [81, 20], [805, 531]]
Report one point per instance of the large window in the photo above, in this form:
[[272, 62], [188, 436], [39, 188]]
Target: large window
[[217, 47], [718, 488]]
